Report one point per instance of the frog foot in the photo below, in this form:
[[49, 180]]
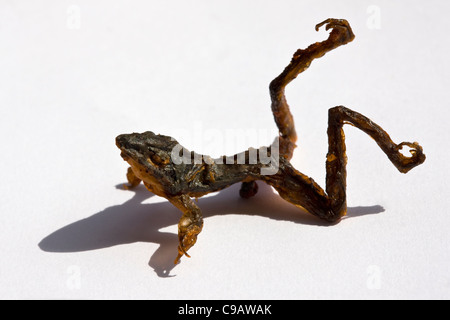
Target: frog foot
[[187, 237]]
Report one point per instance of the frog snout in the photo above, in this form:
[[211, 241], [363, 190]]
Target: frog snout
[[121, 140]]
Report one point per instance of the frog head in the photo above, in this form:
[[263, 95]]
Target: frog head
[[149, 156]]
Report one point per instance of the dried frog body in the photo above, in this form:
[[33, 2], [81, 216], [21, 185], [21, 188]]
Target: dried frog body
[[170, 171]]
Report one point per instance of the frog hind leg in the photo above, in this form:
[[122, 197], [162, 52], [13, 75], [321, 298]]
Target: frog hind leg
[[341, 34]]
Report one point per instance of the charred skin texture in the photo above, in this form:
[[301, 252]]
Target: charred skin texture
[[155, 159]]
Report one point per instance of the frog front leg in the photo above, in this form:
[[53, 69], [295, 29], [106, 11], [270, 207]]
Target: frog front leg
[[189, 226], [133, 181]]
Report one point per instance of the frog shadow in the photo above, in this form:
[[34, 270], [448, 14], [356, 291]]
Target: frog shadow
[[135, 221]]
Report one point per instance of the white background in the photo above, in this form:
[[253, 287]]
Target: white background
[[75, 74]]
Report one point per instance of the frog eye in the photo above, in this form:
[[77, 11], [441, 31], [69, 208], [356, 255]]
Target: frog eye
[[157, 159], [160, 160]]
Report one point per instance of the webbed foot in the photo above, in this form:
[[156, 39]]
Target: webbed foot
[[342, 32], [404, 163]]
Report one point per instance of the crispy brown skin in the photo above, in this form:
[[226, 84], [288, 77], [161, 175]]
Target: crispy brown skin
[[151, 156]]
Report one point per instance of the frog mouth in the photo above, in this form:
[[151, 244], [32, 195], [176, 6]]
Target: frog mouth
[[124, 156]]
